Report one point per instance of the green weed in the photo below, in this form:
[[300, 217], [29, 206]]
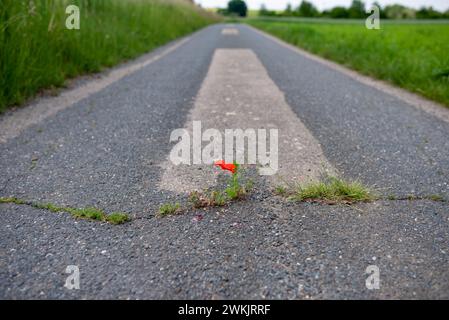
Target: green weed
[[86, 213], [334, 190], [280, 190], [207, 199], [235, 190], [169, 209]]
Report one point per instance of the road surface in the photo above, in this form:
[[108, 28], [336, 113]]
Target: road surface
[[106, 144]]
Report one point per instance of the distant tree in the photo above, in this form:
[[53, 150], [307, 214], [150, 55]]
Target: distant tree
[[326, 14], [357, 10], [396, 11], [338, 13], [307, 9], [428, 13], [288, 12], [237, 7], [264, 12], [446, 14], [222, 11], [381, 10]]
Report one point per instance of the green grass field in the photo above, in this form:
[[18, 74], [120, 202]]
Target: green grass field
[[414, 56], [37, 51]]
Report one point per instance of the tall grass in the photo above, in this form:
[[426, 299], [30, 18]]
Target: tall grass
[[37, 51], [412, 56]]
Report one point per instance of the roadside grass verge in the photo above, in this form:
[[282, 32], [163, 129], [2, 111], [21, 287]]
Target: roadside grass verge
[[412, 56], [333, 191], [38, 52], [92, 214]]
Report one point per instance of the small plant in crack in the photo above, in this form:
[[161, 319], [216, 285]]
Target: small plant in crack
[[33, 162], [169, 209], [88, 213], [392, 197], [412, 197], [280, 190], [118, 218], [93, 214], [204, 199], [12, 200], [333, 191], [436, 197], [51, 207], [235, 189]]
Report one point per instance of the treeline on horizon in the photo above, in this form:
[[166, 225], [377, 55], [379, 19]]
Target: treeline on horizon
[[357, 10]]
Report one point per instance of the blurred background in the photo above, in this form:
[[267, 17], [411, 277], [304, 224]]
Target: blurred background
[[340, 9], [411, 49]]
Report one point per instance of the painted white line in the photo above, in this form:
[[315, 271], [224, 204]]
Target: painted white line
[[13, 124], [238, 93], [417, 101], [230, 32]]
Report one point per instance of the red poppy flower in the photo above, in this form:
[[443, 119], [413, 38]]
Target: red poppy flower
[[226, 166]]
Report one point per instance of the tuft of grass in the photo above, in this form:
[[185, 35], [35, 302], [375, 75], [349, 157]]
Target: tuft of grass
[[38, 51], [411, 197], [117, 218], [33, 163], [334, 190], [50, 207], [169, 209], [88, 213], [203, 200], [436, 197], [392, 197], [12, 200], [235, 190], [218, 198], [93, 214], [280, 190]]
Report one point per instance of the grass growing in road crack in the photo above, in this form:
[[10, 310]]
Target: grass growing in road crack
[[333, 191], [280, 190], [92, 214], [235, 189], [169, 209], [412, 197], [436, 197], [205, 199]]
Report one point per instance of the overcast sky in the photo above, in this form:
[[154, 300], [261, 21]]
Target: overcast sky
[[441, 5]]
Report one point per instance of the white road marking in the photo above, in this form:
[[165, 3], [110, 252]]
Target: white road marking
[[230, 32], [13, 124], [259, 103], [412, 99]]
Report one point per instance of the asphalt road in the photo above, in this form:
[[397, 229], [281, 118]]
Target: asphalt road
[[110, 150]]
